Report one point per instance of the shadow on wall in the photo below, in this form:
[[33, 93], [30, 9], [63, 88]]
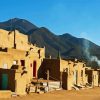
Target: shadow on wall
[[42, 71]]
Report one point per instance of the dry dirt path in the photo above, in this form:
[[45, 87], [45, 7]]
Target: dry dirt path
[[88, 94]]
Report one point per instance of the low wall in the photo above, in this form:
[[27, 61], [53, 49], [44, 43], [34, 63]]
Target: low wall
[[5, 94]]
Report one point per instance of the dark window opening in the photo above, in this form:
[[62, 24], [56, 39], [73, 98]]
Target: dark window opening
[[22, 62], [34, 68], [30, 64], [81, 73]]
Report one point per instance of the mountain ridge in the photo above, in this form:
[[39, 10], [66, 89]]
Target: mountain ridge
[[68, 45]]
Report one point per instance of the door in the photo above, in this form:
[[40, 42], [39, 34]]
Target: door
[[34, 68], [4, 82]]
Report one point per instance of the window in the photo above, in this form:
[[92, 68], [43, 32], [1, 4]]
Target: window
[[30, 64], [15, 62], [39, 53], [81, 73], [22, 62], [34, 68]]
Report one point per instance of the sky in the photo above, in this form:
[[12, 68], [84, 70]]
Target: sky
[[80, 18]]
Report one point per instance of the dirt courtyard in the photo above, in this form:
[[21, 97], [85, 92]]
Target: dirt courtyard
[[87, 94]]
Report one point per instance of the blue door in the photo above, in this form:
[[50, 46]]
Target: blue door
[[4, 83]]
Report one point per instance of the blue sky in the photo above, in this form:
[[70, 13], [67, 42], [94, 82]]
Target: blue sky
[[80, 18]]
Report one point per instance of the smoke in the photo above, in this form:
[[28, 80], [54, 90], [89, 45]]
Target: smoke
[[86, 49], [94, 58], [87, 53]]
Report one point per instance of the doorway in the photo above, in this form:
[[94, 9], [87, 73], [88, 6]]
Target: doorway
[[4, 82], [34, 68]]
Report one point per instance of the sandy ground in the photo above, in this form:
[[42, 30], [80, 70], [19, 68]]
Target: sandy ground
[[88, 94]]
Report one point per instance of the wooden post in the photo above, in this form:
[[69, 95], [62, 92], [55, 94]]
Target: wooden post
[[93, 80], [14, 39], [48, 78], [60, 79], [36, 86]]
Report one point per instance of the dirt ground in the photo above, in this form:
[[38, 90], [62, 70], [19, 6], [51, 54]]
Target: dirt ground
[[87, 94]]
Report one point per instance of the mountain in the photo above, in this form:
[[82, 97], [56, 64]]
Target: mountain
[[68, 45], [20, 24]]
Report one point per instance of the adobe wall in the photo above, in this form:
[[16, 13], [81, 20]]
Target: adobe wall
[[21, 82], [10, 56], [95, 78], [7, 40], [5, 60], [80, 69], [63, 65], [99, 77], [68, 69], [34, 54], [53, 65], [25, 52], [92, 77], [75, 73]]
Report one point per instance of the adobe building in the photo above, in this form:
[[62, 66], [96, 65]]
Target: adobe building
[[22, 62], [18, 66], [76, 73], [79, 71], [93, 77], [98, 76], [69, 72]]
